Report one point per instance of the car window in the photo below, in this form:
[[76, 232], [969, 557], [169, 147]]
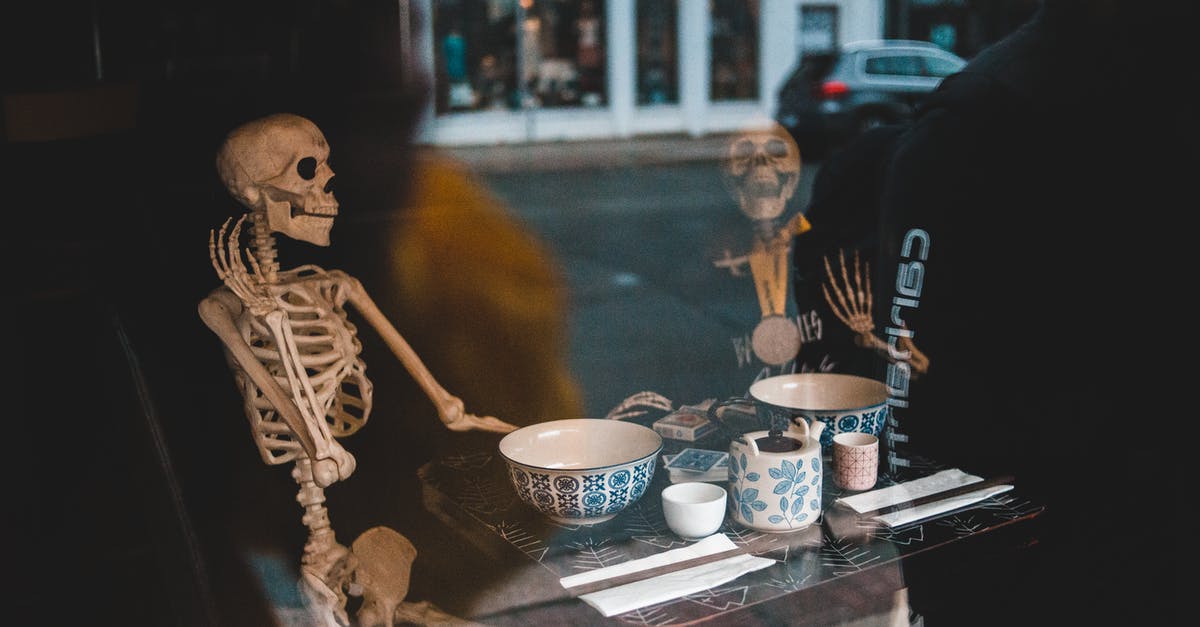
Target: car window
[[942, 67], [896, 65]]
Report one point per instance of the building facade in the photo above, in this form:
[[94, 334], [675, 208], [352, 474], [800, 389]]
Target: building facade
[[513, 71]]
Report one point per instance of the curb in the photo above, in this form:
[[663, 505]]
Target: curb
[[577, 155]]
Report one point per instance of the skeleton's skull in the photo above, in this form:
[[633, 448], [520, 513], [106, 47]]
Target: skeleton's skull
[[762, 169], [278, 166]]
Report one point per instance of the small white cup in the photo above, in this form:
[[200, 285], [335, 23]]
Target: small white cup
[[694, 509], [855, 460]]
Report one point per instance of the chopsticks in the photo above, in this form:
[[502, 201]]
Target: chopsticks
[[759, 545], [938, 496]]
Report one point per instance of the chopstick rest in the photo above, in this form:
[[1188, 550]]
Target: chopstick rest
[[923, 498]]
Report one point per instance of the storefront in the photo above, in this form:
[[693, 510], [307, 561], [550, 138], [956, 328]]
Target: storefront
[[963, 27], [546, 70]]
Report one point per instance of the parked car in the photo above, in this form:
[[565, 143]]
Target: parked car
[[831, 97]]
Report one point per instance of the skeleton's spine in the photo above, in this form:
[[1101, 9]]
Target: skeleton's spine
[[312, 498], [264, 248]]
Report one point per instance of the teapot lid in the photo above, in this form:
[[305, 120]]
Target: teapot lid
[[793, 439], [778, 443]]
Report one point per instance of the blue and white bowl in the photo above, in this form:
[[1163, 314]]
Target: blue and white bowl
[[845, 403], [581, 471]]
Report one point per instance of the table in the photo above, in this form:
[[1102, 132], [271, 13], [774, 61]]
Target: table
[[837, 568]]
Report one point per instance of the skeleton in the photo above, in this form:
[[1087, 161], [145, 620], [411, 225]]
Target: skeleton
[[853, 308], [762, 170], [295, 359]]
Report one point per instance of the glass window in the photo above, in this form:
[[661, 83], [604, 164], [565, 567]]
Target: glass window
[[896, 65], [657, 66], [734, 42], [942, 67], [563, 55], [475, 51], [496, 54], [818, 28]]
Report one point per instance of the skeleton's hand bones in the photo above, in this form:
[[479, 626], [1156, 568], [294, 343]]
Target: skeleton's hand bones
[[855, 312], [226, 256], [452, 413], [855, 299]]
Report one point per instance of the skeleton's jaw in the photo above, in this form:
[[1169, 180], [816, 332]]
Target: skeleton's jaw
[[762, 207], [313, 229], [292, 218]]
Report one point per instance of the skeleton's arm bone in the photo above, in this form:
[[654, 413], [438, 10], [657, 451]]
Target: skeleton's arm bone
[[305, 397], [449, 407], [219, 311]]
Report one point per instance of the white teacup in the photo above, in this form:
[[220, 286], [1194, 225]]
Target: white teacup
[[694, 509]]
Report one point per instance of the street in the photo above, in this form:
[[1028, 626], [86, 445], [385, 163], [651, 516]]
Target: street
[[649, 310]]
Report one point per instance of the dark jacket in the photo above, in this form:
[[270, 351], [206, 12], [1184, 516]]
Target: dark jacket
[[1035, 190]]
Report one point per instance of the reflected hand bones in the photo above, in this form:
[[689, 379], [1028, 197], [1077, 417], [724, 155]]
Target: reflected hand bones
[[854, 298]]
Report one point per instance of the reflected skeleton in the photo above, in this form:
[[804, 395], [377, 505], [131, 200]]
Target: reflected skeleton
[[762, 170], [295, 359]]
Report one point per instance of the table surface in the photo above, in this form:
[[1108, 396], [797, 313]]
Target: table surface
[[470, 492]]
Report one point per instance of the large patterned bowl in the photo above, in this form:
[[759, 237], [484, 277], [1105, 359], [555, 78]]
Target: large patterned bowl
[[843, 402], [581, 471]]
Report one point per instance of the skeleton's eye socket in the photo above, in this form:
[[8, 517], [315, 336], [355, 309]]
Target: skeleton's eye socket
[[743, 149], [307, 168], [777, 149]]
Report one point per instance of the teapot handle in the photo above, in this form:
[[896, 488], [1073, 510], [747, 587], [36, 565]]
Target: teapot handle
[[800, 427]]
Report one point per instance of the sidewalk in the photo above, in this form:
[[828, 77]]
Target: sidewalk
[[576, 155]]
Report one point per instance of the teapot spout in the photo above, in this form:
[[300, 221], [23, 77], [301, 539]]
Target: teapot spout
[[815, 427]]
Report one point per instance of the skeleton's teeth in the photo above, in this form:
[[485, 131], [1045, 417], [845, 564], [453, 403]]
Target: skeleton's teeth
[[320, 212]]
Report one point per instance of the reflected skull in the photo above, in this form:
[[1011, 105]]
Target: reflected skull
[[762, 169], [279, 166]]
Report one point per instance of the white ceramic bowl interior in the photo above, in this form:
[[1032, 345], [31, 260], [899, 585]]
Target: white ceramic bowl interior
[[583, 444], [820, 391]]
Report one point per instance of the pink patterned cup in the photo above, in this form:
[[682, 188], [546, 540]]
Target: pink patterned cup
[[855, 460]]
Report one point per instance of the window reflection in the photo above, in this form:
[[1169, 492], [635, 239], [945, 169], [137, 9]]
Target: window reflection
[[734, 42], [510, 54], [657, 65]]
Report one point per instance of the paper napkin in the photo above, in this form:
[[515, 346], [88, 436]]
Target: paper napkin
[[909, 490], [638, 594]]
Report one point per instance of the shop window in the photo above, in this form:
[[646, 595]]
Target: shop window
[[475, 51], [657, 64], [734, 42], [512, 54], [818, 28]]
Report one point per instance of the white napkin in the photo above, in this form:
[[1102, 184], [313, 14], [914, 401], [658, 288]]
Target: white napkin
[[909, 490], [632, 596]]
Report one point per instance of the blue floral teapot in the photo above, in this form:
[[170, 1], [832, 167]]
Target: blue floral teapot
[[775, 477]]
